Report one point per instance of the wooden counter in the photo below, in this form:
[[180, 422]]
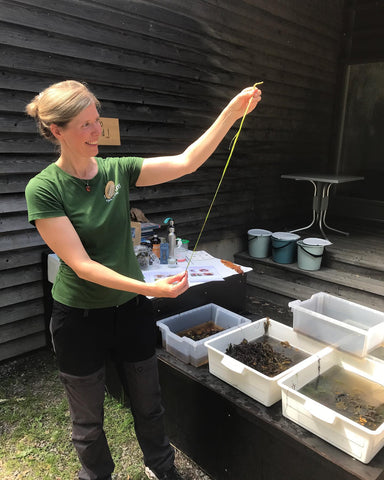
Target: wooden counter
[[233, 437]]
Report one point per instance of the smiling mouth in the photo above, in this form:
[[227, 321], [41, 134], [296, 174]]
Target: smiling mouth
[[92, 143]]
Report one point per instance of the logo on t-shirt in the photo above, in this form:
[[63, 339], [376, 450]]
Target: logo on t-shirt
[[111, 190]]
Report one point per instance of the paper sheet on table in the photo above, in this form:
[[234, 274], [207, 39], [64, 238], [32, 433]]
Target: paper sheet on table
[[196, 274], [202, 269], [198, 255], [204, 258], [203, 273]]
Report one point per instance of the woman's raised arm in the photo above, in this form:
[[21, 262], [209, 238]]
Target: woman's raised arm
[[162, 169]]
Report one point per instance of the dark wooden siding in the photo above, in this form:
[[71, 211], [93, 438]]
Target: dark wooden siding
[[367, 33], [362, 112], [165, 69]]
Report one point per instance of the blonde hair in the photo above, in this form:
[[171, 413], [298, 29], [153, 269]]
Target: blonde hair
[[59, 104]]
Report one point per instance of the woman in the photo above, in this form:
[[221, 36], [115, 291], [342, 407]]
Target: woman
[[80, 206]]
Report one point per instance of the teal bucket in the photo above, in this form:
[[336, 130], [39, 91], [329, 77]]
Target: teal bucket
[[259, 243], [284, 248], [310, 253]]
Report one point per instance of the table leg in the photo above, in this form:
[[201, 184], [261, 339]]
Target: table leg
[[315, 205], [323, 208], [323, 211]]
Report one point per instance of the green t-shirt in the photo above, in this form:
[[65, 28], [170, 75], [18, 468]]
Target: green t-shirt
[[102, 223]]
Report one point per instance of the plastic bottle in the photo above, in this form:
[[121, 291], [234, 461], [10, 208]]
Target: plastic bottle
[[180, 251], [171, 237], [156, 245], [164, 248]]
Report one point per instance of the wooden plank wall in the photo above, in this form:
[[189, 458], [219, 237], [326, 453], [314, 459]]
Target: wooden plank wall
[[367, 33], [361, 61], [165, 69]]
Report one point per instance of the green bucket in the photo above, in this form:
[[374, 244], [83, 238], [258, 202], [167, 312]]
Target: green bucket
[[310, 253], [284, 247], [259, 243]]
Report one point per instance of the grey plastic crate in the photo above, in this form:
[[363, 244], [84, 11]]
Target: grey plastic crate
[[186, 349]]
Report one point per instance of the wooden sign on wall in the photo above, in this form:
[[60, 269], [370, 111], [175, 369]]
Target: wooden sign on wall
[[111, 132]]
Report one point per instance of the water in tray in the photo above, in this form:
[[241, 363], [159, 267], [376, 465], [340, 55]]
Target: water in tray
[[349, 394], [267, 355], [203, 330]]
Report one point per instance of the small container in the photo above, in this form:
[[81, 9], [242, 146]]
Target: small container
[[146, 243], [259, 243], [164, 250], [172, 262], [53, 263], [142, 253], [171, 236], [284, 248], [180, 251], [180, 255], [156, 245], [310, 253]]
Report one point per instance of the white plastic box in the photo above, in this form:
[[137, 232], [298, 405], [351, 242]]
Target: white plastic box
[[53, 263], [253, 383], [345, 325], [338, 430], [377, 353], [186, 349]]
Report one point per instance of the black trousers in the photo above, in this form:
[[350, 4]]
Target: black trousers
[[83, 340]]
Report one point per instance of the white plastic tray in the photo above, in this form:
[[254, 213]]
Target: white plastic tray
[[342, 432], [345, 325], [260, 387], [186, 349]]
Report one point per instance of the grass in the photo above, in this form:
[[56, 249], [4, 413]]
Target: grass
[[35, 431]]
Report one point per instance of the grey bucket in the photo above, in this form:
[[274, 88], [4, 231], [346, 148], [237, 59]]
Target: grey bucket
[[310, 253], [259, 243]]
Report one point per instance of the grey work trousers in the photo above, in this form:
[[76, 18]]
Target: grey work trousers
[[83, 341], [86, 398]]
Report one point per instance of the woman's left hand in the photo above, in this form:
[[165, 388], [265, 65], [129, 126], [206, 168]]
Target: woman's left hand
[[238, 105]]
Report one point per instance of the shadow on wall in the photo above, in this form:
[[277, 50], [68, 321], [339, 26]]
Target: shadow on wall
[[363, 142]]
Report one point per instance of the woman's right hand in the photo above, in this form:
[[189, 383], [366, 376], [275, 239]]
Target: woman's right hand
[[61, 237], [245, 101], [170, 287]]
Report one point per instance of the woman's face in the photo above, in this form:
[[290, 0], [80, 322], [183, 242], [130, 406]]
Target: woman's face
[[80, 136]]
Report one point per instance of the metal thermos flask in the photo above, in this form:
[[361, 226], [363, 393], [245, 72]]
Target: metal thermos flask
[[171, 237]]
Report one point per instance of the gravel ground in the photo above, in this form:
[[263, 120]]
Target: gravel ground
[[188, 469]]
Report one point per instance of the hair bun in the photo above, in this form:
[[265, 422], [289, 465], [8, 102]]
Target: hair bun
[[32, 108], [59, 104]]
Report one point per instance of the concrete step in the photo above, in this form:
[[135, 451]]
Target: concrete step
[[326, 274], [273, 290], [359, 263], [280, 283]]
